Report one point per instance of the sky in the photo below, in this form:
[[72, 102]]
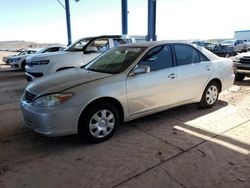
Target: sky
[[45, 20]]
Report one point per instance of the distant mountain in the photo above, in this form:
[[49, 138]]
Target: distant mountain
[[15, 45]]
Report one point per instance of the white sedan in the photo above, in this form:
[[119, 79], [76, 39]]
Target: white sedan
[[123, 84]]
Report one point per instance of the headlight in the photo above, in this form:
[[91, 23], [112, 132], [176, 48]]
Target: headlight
[[236, 59], [52, 99], [40, 62]]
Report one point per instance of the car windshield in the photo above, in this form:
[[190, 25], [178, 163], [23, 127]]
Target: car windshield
[[78, 45], [22, 53], [228, 42], [116, 60]]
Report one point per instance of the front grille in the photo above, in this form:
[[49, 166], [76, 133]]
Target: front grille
[[245, 60], [29, 97], [36, 74]]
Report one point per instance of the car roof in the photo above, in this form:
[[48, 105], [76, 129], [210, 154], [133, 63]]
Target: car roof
[[208, 54], [156, 43]]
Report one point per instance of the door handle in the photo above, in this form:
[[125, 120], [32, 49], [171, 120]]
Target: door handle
[[172, 76], [208, 67]]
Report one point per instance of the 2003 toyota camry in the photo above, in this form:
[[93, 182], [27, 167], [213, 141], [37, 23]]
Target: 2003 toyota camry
[[125, 83]]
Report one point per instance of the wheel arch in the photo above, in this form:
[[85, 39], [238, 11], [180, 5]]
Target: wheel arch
[[110, 100], [218, 81], [64, 68]]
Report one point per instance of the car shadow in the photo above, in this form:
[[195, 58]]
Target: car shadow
[[245, 82]]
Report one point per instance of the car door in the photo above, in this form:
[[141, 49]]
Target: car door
[[193, 70], [156, 89]]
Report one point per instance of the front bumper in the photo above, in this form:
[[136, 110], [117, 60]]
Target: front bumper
[[32, 76], [242, 69], [54, 121]]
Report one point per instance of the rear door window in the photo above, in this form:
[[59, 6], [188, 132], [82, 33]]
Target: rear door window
[[185, 54]]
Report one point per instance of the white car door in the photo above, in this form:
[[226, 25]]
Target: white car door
[[156, 89], [193, 70]]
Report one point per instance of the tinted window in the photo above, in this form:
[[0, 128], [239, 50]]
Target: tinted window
[[53, 49], [119, 42], [185, 54], [202, 57], [158, 58]]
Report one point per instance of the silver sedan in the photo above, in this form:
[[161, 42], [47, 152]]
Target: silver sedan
[[125, 83]]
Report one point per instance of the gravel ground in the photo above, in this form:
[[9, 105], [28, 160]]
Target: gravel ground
[[180, 147]]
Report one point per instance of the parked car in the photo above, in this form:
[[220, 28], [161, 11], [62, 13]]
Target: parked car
[[242, 66], [123, 84], [6, 59], [247, 45], [232, 47], [18, 62], [79, 53]]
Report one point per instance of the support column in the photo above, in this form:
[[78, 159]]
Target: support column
[[124, 17], [67, 8], [151, 20]]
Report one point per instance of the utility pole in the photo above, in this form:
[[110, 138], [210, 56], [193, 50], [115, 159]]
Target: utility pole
[[151, 20], [67, 8], [124, 17]]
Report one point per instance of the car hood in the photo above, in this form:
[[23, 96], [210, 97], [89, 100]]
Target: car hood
[[63, 80], [227, 45], [243, 55], [46, 55], [18, 56]]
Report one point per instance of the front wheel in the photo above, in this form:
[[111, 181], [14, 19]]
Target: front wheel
[[210, 95], [98, 123], [239, 77]]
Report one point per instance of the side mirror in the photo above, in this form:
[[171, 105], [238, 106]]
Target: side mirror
[[140, 70], [89, 50]]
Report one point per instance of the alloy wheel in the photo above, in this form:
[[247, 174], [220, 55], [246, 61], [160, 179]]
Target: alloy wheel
[[102, 123], [211, 94]]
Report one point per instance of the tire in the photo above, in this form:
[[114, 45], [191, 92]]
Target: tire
[[210, 95], [99, 122], [23, 65], [239, 77]]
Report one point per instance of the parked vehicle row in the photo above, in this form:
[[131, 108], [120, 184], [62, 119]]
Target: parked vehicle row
[[124, 83], [18, 62], [226, 48]]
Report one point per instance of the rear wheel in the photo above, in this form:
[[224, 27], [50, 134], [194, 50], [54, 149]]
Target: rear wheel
[[210, 95], [239, 77], [98, 123]]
